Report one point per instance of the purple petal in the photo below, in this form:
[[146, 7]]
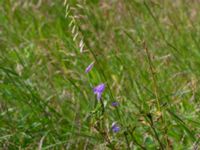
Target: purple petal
[[115, 128], [89, 67], [99, 88], [115, 104], [99, 96]]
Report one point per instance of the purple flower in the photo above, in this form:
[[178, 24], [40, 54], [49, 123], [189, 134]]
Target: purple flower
[[115, 104], [98, 90], [89, 67], [115, 128]]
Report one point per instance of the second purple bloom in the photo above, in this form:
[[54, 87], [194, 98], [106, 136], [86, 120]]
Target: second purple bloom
[[115, 128]]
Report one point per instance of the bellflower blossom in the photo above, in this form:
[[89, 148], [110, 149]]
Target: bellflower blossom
[[89, 67], [115, 128], [115, 104], [98, 90]]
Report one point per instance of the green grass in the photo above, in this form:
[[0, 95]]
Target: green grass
[[147, 52]]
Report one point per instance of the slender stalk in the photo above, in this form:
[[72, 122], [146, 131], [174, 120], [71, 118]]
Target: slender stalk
[[152, 70]]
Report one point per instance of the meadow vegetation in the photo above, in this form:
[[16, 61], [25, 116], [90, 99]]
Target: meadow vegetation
[[145, 52]]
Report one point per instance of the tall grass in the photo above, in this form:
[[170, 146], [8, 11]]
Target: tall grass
[[145, 52]]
